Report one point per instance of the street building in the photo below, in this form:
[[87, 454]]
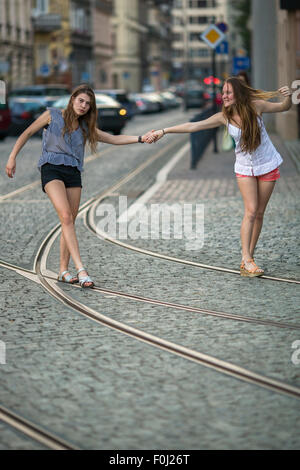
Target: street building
[[159, 53], [129, 37], [276, 57], [142, 32], [103, 45], [191, 55], [52, 42], [16, 43]]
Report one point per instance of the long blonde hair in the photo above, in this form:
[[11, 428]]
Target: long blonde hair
[[244, 96], [90, 118]]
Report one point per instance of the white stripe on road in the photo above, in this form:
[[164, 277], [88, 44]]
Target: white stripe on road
[[161, 178]]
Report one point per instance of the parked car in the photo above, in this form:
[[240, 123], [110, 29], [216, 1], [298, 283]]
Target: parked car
[[122, 97], [5, 120], [24, 111], [171, 100], [50, 93], [111, 115], [194, 98], [144, 105], [159, 100]]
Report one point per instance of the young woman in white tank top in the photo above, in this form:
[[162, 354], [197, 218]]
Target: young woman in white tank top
[[257, 160]]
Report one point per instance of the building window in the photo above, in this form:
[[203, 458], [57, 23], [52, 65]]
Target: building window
[[177, 37], [199, 52], [178, 4], [177, 53], [194, 37], [198, 3], [202, 4], [79, 19], [42, 6], [198, 19]]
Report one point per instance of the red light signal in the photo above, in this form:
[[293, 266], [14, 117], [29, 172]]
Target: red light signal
[[211, 79]]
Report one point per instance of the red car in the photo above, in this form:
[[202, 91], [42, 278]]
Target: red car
[[5, 120]]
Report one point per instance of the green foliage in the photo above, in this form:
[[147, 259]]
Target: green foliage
[[242, 17]]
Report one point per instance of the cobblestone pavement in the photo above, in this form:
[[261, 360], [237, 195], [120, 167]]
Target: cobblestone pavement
[[100, 389]]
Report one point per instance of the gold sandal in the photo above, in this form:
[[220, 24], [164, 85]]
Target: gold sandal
[[252, 272]]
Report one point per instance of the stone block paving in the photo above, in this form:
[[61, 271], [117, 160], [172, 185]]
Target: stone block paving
[[101, 389]]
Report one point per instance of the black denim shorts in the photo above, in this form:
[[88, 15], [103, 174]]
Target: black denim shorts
[[70, 175]]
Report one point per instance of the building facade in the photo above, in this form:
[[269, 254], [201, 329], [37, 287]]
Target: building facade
[[276, 57], [288, 46], [16, 43], [129, 31], [52, 42], [159, 38], [191, 56], [103, 46]]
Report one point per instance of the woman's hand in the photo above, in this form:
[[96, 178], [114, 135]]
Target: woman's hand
[[154, 136], [285, 91], [148, 138], [10, 167]]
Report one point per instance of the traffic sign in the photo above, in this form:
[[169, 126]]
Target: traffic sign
[[213, 36], [222, 48], [223, 27], [45, 70], [240, 63]]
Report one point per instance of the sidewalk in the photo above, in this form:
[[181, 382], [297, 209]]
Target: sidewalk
[[214, 175]]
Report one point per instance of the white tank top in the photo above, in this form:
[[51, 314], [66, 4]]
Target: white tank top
[[263, 160]]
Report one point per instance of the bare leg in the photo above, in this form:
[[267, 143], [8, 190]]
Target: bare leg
[[249, 189], [265, 189], [73, 196], [58, 195]]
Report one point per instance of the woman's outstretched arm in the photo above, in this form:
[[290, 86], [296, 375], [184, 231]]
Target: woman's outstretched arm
[[213, 121], [267, 107], [107, 138], [38, 124]]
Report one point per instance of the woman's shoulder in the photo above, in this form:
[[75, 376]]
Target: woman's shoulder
[[258, 105]]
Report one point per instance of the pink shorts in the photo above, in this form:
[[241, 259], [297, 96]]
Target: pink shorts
[[271, 176]]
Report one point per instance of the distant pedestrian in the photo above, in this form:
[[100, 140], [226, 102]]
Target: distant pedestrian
[[64, 137], [244, 76], [257, 160]]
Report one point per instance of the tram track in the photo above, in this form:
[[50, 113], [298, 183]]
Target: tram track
[[40, 274], [34, 431], [89, 221]]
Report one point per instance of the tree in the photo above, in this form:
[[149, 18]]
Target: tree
[[242, 17]]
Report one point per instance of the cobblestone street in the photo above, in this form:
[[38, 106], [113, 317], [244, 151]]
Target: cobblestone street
[[99, 388]]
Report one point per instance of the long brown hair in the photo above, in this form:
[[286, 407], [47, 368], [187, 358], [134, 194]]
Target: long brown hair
[[244, 96], [90, 118]]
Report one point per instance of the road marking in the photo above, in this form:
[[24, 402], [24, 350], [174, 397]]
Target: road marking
[[161, 178]]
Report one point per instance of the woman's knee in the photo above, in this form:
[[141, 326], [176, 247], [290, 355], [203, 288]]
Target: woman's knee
[[250, 213], [66, 217], [260, 214]]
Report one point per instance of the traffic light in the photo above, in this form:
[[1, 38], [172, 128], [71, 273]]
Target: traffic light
[[210, 80]]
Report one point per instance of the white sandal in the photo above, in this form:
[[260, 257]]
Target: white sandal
[[85, 279]]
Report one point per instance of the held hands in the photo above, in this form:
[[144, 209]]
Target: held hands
[[285, 91], [153, 136]]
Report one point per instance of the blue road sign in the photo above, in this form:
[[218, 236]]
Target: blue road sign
[[44, 70], [223, 27], [222, 48], [240, 63]]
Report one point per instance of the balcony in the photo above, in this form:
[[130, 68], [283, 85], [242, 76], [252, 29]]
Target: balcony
[[45, 23], [106, 6]]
